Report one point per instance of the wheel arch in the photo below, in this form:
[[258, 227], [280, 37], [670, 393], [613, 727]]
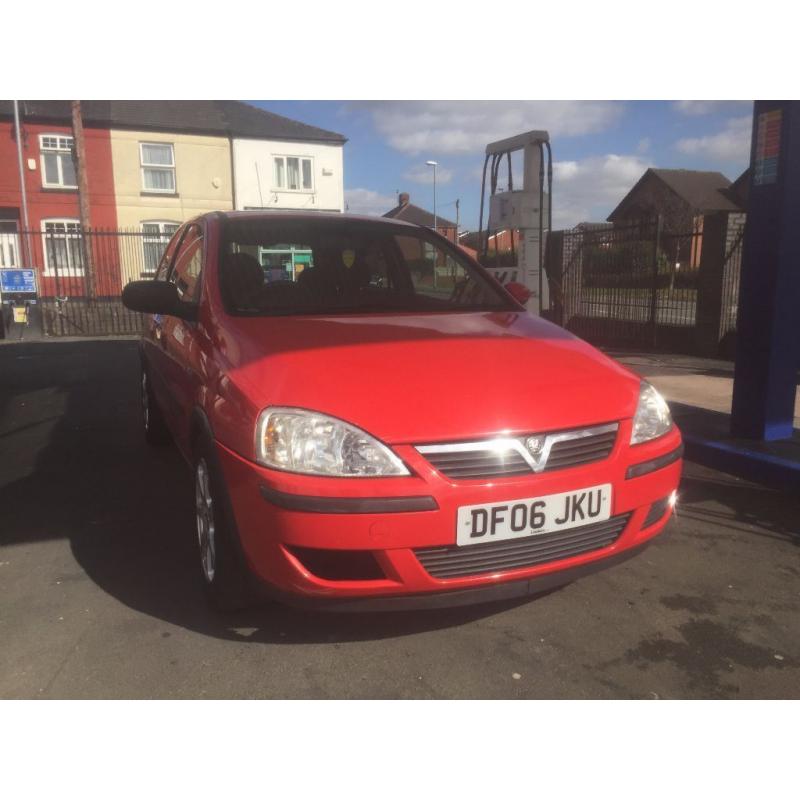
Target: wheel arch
[[199, 428], [201, 432]]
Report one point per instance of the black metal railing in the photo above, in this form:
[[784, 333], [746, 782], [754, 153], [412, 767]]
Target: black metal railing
[[637, 283], [631, 284], [80, 275]]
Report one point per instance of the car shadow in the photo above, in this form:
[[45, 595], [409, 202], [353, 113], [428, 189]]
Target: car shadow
[[719, 499], [75, 466]]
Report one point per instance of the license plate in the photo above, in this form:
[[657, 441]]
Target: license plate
[[516, 519]]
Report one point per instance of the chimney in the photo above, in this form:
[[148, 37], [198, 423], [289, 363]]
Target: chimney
[[403, 198]]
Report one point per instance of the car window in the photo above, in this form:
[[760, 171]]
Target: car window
[[188, 267], [166, 258], [347, 266], [435, 272]]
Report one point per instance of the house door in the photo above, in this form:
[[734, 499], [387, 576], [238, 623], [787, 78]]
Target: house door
[[9, 245]]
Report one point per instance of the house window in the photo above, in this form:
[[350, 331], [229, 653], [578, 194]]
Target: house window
[[63, 252], [9, 244], [58, 168], [293, 173], [155, 238], [158, 167]]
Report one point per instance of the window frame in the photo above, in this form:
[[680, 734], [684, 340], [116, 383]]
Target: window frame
[[168, 259], [161, 238], [71, 270], [285, 173], [61, 152], [10, 256], [161, 167]]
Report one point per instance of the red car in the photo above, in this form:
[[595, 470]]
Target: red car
[[373, 421]]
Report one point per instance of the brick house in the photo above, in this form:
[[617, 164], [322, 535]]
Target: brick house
[[682, 198], [500, 241], [408, 212], [151, 164], [52, 192]]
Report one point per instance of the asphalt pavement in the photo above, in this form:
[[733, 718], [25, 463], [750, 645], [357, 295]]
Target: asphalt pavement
[[99, 596]]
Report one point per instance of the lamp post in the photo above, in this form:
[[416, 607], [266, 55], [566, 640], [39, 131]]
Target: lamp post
[[433, 164]]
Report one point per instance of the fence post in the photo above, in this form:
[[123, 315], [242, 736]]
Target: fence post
[[709, 283], [554, 269], [731, 273], [572, 274], [654, 290]]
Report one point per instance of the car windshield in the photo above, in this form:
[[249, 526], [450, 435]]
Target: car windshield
[[340, 266]]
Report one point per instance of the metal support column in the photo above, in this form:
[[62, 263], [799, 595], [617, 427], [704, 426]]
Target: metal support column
[[768, 325]]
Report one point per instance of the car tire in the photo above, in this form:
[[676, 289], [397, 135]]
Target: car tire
[[155, 429], [225, 577]]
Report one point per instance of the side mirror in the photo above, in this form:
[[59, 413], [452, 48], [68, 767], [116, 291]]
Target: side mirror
[[519, 292], [157, 297]]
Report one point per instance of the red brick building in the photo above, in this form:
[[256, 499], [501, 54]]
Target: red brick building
[[682, 197], [52, 196]]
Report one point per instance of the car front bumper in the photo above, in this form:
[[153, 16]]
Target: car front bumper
[[285, 521]]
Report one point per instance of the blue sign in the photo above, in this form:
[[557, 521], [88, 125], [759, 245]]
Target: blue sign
[[17, 280]]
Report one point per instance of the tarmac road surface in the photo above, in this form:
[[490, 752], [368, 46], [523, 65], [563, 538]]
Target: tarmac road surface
[[99, 595]]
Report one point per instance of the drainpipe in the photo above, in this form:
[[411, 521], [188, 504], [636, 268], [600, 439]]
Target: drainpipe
[[23, 190]]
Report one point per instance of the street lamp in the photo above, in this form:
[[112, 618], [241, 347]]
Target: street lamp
[[433, 164]]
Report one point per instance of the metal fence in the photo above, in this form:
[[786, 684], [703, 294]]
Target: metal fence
[[732, 269], [80, 275], [635, 284]]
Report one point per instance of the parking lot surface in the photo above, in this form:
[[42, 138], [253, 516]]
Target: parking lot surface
[[99, 595]]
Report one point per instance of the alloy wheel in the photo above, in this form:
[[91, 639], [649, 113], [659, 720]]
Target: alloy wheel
[[204, 506]]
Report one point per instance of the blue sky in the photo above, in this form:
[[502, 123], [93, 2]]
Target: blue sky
[[600, 148]]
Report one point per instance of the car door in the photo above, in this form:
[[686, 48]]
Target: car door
[[153, 341], [179, 337]]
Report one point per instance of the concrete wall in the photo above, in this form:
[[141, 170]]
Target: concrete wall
[[254, 175]]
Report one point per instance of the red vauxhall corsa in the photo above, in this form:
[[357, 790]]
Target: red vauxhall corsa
[[373, 422]]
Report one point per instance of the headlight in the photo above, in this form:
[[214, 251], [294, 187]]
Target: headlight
[[652, 417], [303, 441]]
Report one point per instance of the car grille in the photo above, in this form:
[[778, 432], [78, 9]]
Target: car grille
[[571, 453], [479, 464], [510, 456], [456, 562]]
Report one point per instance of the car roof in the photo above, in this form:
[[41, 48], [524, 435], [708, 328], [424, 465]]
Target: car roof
[[311, 216]]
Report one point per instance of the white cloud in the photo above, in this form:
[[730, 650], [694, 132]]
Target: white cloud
[[424, 174], [456, 126], [696, 108], [730, 144], [367, 201], [589, 189]]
